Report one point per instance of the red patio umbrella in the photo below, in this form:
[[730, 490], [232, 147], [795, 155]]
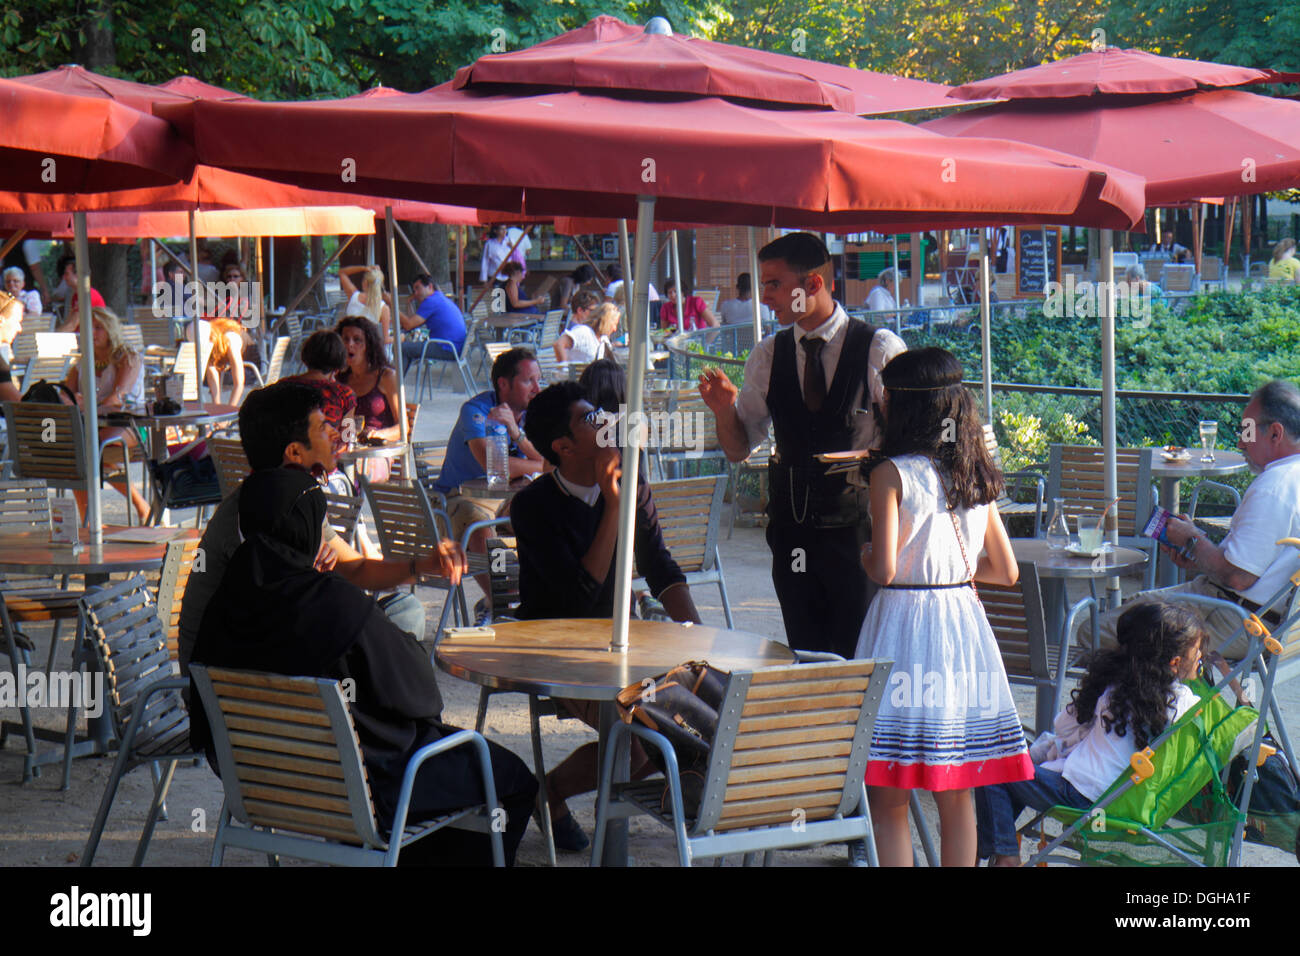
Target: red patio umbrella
[[705, 160], [607, 54], [1211, 143], [50, 141], [1111, 70]]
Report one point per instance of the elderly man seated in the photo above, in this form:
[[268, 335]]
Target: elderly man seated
[[567, 526], [1248, 567], [282, 424]]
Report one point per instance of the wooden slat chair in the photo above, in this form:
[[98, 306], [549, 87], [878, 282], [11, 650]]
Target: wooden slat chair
[[294, 781], [30, 599], [690, 516], [409, 527], [429, 457], [143, 697], [1212, 271], [290, 325], [61, 463], [178, 563], [232, 464], [23, 349], [553, 370], [1178, 278], [710, 297], [685, 429], [1075, 473], [1030, 655], [342, 512], [397, 466], [792, 745], [51, 368], [187, 368], [57, 343], [133, 336], [158, 332], [1018, 482], [274, 367]]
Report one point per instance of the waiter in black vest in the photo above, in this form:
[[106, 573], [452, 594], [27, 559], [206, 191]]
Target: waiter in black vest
[[817, 381]]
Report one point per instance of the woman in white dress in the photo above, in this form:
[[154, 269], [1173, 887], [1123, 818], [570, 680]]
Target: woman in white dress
[[587, 342], [947, 722]]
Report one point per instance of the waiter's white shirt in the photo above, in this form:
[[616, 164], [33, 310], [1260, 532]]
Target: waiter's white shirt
[[751, 404]]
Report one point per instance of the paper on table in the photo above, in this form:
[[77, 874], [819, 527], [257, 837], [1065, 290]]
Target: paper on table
[[144, 535]]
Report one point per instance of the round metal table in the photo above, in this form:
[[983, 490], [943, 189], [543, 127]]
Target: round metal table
[[30, 552], [571, 659], [480, 488], [1055, 568], [1171, 474], [348, 459]]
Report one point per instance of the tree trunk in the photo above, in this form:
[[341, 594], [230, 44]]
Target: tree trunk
[[290, 270], [431, 242], [107, 261]]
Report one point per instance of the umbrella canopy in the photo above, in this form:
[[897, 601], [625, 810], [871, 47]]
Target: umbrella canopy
[[50, 141], [190, 88], [130, 226], [1211, 143], [1111, 70], [609, 55], [78, 81], [705, 160]]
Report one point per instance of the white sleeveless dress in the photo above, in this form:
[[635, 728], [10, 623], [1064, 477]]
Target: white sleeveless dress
[[947, 720]]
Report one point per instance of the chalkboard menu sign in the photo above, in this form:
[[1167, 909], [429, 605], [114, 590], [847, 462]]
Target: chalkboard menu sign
[[1030, 254]]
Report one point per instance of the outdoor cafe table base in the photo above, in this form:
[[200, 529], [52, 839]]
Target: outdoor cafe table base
[[1171, 475], [570, 659], [31, 552]]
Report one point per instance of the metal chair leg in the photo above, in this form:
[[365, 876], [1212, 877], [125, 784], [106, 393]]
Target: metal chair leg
[[923, 831], [156, 807], [539, 768], [481, 717]]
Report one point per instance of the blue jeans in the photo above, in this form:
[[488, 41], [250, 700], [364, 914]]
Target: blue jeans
[[997, 808], [405, 610], [412, 351]]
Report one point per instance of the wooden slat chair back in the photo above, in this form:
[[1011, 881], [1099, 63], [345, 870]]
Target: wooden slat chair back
[[133, 336], [397, 466], [61, 463], [682, 428], [429, 457], [1211, 269], [342, 512], [142, 693], [157, 332], [293, 775], [552, 326], [275, 366], [51, 368], [1022, 479], [1178, 278], [231, 463], [503, 575], [408, 527], [57, 343], [23, 347], [710, 297], [178, 564], [187, 367], [792, 744], [495, 350], [1076, 474], [690, 517]]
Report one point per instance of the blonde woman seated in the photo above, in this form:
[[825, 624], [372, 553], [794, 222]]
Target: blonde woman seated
[[119, 381], [589, 341], [369, 301]]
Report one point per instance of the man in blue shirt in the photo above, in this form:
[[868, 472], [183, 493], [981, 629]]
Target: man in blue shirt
[[515, 380], [438, 315]]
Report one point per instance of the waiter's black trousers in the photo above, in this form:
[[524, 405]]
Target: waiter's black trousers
[[821, 585]]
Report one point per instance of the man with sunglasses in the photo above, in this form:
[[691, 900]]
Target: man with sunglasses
[[566, 523], [817, 382]]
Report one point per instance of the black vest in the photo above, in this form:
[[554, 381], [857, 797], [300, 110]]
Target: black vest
[[802, 492]]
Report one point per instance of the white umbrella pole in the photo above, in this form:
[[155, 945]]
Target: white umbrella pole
[[86, 376], [677, 278], [625, 260], [391, 236], [754, 286], [637, 334], [200, 300], [986, 328], [1110, 481], [270, 274]]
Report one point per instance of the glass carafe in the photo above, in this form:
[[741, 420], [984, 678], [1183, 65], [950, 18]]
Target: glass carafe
[[1058, 531]]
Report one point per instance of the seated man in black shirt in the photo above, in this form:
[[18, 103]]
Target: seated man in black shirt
[[567, 526]]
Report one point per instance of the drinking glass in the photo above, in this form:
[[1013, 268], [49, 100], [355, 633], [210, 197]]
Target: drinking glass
[[1209, 434]]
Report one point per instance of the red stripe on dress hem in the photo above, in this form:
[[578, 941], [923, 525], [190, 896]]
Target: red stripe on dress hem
[[919, 776]]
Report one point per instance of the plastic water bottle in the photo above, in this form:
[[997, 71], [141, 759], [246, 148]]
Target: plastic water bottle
[[498, 455], [1058, 532]]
